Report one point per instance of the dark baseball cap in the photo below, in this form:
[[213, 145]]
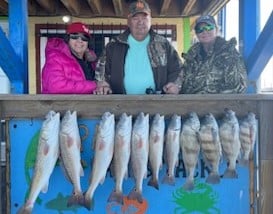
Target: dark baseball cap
[[139, 6], [208, 19]]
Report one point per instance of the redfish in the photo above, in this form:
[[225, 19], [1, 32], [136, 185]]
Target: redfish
[[103, 154], [47, 155], [156, 144], [121, 158], [70, 145], [139, 154], [172, 145]]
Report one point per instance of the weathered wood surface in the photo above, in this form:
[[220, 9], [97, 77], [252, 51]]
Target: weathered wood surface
[[93, 106]]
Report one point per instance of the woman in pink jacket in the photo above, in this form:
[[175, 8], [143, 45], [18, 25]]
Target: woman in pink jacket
[[70, 66]]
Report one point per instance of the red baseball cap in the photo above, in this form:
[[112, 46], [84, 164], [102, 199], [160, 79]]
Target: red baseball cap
[[78, 27]]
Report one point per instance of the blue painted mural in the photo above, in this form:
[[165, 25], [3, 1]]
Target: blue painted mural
[[230, 196]]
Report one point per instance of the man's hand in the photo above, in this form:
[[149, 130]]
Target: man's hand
[[171, 88], [102, 88]]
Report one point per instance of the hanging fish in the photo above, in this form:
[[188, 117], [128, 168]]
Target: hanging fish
[[190, 147], [229, 138], [47, 155], [70, 146], [103, 154], [172, 145], [156, 143], [211, 147], [248, 133], [122, 149], [139, 154]]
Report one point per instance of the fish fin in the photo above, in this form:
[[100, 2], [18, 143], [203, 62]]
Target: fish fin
[[75, 200], [88, 203], [230, 173], [135, 195], [154, 183], [189, 185], [116, 197], [45, 188], [213, 178], [169, 179]]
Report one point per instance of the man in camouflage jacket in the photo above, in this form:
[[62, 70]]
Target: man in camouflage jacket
[[219, 69]]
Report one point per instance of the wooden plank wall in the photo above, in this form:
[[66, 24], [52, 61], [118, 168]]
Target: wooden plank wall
[[93, 106]]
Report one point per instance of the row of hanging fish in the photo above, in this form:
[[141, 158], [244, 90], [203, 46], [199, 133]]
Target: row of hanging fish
[[137, 144], [59, 139]]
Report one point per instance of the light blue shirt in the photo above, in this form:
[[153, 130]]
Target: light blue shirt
[[138, 71]]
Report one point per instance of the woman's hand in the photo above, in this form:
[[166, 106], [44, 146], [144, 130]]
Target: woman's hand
[[171, 88], [102, 88]]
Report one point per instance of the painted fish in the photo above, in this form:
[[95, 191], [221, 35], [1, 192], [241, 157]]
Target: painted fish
[[156, 143], [211, 146], [121, 159], [70, 146], [248, 133], [172, 145], [139, 154], [229, 138], [190, 147], [103, 154], [47, 155]]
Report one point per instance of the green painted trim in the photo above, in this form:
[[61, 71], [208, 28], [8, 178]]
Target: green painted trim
[[187, 34], [3, 18]]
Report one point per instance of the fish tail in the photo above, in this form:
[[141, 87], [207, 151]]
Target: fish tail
[[244, 162], [88, 203], [116, 197], [154, 183], [189, 185], [24, 210], [213, 178], [75, 200], [230, 173], [135, 195], [169, 179]]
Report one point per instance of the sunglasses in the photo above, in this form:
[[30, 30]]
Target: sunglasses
[[204, 28], [77, 36]]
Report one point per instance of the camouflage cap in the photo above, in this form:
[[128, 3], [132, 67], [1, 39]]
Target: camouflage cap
[[139, 6], [208, 19]]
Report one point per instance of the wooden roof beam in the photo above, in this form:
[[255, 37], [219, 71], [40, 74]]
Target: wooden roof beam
[[72, 6], [164, 7], [48, 5], [95, 6], [118, 7], [215, 6], [188, 7]]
